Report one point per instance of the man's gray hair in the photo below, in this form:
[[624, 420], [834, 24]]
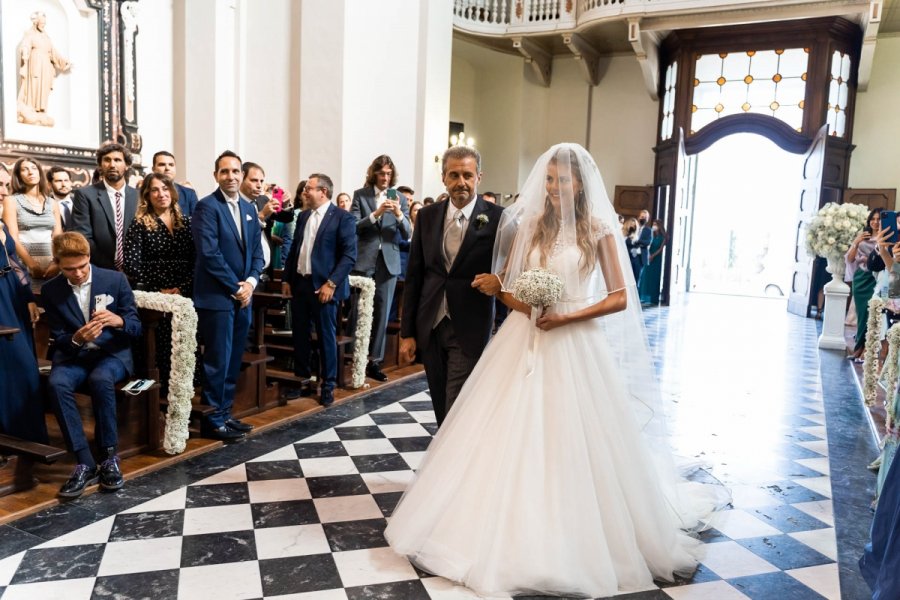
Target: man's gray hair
[[460, 152], [324, 182]]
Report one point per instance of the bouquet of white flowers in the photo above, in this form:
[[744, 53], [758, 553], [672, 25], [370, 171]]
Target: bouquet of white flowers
[[831, 231], [538, 287]]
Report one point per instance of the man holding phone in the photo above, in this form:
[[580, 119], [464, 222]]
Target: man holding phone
[[381, 213]]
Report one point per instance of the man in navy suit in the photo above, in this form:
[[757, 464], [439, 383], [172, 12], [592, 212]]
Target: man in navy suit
[[103, 211], [644, 237], [164, 164], [229, 263], [317, 277], [381, 214], [93, 319]]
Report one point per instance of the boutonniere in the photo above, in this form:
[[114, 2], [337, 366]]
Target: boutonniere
[[481, 220]]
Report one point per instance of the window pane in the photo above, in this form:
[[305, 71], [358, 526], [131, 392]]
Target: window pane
[[708, 67]]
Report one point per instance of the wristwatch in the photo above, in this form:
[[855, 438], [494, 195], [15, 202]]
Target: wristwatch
[[330, 283]]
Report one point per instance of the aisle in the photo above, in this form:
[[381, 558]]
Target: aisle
[[299, 512]]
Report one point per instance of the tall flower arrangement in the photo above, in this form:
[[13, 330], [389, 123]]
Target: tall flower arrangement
[[831, 231], [365, 310]]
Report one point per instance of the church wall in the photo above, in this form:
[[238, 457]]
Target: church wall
[[154, 77], [876, 130]]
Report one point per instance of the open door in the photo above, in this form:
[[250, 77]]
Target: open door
[[802, 294], [681, 226]]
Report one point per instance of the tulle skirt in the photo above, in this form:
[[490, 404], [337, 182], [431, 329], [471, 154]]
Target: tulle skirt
[[541, 482]]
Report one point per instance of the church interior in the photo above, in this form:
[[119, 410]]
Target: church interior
[[730, 122]]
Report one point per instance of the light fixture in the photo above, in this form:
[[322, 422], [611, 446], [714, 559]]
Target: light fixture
[[462, 140]]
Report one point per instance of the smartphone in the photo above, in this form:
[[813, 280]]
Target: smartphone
[[391, 194], [889, 220], [278, 195]]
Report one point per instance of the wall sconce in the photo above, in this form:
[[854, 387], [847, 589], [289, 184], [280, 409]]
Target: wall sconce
[[462, 140]]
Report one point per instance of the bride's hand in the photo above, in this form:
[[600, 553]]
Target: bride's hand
[[546, 322]]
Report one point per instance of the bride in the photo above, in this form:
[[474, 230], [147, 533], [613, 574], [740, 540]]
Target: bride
[[551, 474]]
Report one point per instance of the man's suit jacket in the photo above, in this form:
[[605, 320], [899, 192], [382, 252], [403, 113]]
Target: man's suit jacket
[[187, 199], [224, 259], [427, 279], [94, 216], [65, 317], [333, 254], [645, 236], [379, 235]]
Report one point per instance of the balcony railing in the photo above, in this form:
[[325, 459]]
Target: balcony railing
[[514, 17]]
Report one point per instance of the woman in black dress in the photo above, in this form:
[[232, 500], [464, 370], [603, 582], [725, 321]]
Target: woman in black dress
[[159, 253]]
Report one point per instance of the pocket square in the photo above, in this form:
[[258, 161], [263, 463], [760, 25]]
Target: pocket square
[[249, 218], [101, 301]]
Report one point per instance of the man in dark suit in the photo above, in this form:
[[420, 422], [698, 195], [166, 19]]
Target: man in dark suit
[[93, 319], [448, 308], [229, 263], [381, 213], [103, 211], [317, 278], [644, 237], [164, 164]]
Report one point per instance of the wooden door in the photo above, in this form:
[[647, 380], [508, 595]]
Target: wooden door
[[885, 199], [801, 297], [680, 228], [630, 200]]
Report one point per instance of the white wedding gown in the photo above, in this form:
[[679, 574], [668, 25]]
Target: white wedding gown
[[544, 484]]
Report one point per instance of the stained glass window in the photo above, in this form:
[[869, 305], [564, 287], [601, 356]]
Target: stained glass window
[[768, 82], [838, 93], [668, 121]]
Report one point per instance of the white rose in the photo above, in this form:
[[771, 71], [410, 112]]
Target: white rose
[[828, 221]]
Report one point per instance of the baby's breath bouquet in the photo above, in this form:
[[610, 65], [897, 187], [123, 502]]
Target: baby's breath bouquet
[[538, 287], [831, 231]]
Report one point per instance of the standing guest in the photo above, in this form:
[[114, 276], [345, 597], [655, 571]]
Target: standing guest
[[5, 180], [857, 259], [164, 164], [316, 279], [629, 231], [159, 253], [344, 201], [21, 408], [227, 239], [490, 197], [32, 219], [380, 213], [253, 186], [642, 239], [413, 213], [408, 192], [651, 275], [93, 321], [448, 311], [102, 211], [61, 190], [443, 196], [428, 200]]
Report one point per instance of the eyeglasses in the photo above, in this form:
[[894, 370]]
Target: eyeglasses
[[309, 189]]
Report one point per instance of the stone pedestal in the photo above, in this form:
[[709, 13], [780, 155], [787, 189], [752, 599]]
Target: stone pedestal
[[836, 292]]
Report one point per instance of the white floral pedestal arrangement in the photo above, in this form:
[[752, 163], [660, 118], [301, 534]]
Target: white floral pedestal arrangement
[[836, 293], [829, 234]]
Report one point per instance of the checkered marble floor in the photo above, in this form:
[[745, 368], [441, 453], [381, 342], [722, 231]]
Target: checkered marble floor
[[306, 519]]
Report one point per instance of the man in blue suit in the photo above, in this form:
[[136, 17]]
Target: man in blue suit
[[164, 164], [644, 237], [229, 262], [317, 277], [93, 319]]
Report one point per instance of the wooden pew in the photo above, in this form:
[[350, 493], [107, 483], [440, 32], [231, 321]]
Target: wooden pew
[[17, 459]]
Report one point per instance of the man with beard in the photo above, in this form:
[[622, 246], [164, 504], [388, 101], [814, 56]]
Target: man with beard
[[61, 190], [448, 308], [103, 211]]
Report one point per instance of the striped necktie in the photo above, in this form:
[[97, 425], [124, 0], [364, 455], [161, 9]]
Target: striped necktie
[[120, 231]]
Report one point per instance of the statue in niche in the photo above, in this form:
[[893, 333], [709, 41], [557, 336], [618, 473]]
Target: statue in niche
[[38, 63]]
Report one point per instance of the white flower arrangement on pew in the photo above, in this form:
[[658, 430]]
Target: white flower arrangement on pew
[[181, 374], [831, 231], [365, 310]]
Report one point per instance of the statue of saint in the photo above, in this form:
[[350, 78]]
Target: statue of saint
[[38, 64]]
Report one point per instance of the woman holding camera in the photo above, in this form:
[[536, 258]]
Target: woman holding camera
[[857, 258]]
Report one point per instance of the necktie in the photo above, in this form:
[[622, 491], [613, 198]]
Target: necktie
[[120, 230], [453, 237], [236, 215], [66, 213]]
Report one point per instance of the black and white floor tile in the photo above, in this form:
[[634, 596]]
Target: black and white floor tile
[[304, 519]]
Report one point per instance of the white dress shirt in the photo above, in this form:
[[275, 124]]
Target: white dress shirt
[[83, 297], [304, 261]]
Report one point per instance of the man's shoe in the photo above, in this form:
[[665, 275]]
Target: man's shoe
[[81, 477], [224, 434], [111, 475], [238, 426], [327, 398], [374, 371], [292, 393]]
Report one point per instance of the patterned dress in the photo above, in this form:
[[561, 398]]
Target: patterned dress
[[35, 232]]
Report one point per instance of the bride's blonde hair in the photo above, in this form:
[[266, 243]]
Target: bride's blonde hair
[[548, 223]]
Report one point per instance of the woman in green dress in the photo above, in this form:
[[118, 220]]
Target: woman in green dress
[[863, 281], [648, 287]]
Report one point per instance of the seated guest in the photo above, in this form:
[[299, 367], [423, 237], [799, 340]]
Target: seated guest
[[21, 408], [317, 277], [102, 211], [159, 253], [32, 218], [164, 164], [93, 320]]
